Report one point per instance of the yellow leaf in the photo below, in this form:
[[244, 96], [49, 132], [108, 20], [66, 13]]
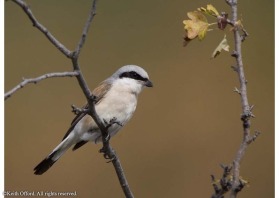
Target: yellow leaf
[[210, 10], [197, 26], [202, 9], [237, 26], [197, 16], [223, 45], [202, 33]]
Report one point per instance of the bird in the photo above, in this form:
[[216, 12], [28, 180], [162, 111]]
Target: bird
[[115, 99]]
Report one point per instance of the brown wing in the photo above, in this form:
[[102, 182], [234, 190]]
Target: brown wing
[[100, 93]]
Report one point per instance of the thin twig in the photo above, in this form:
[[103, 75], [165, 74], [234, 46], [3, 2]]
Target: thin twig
[[107, 149], [237, 185], [86, 28], [38, 79], [222, 185], [43, 29], [77, 110]]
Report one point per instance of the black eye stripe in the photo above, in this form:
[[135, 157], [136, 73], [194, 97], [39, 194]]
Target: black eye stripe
[[133, 75]]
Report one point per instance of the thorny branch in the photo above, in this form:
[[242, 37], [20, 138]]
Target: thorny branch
[[224, 184], [74, 55], [246, 109], [236, 184]]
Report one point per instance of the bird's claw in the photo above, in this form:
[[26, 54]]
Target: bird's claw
[[111, 122], [106, 155]]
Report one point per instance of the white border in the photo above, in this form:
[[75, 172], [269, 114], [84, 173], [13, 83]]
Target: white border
[[2, 96], [276, 97]]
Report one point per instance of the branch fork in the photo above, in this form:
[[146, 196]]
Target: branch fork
[[73, 56]]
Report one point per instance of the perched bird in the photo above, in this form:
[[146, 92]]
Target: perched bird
[[116, 98]]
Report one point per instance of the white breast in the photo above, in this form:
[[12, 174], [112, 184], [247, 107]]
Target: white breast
[[119, 102]]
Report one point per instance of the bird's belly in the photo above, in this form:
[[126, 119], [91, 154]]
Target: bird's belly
[[115, 112], [121, 110]]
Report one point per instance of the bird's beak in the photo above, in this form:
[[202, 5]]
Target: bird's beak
[[148, 83]]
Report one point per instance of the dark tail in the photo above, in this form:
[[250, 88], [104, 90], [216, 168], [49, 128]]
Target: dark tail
[[44, 165]]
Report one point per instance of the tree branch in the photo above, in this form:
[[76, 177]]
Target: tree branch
[[38, 79], [86, 28], [107, 149], [44, 30], [224, 184], [237, 185]]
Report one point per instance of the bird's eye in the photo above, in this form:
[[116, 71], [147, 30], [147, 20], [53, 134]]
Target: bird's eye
[[133, 75]]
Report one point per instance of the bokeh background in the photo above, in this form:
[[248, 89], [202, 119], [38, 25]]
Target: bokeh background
[[183, 128]]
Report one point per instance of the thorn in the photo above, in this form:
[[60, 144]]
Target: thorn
[[229, 2], [235, 54], [254, 137], [245, 35], [77, 110], [251, 107], [223, 166], [235, 68], [237, 91], [227, 169], [247, 114], [214, 184]]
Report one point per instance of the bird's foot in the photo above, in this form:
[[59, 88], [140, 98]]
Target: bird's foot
[[111, 122], [106, 154]]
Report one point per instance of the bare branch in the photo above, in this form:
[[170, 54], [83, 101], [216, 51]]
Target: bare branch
[[237, 185], [107, 150], [244, 35], [86, 28], [77, 110], [254, 137], [38, 79], [237, 91], [222, 185], [44, 30]]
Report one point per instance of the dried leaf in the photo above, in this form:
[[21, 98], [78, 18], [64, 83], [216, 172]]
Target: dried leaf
[[223, 45], [210, 10], [238, 25], [196, 26], [222, 21]]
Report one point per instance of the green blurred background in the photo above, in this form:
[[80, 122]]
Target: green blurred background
[[183, 128]]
